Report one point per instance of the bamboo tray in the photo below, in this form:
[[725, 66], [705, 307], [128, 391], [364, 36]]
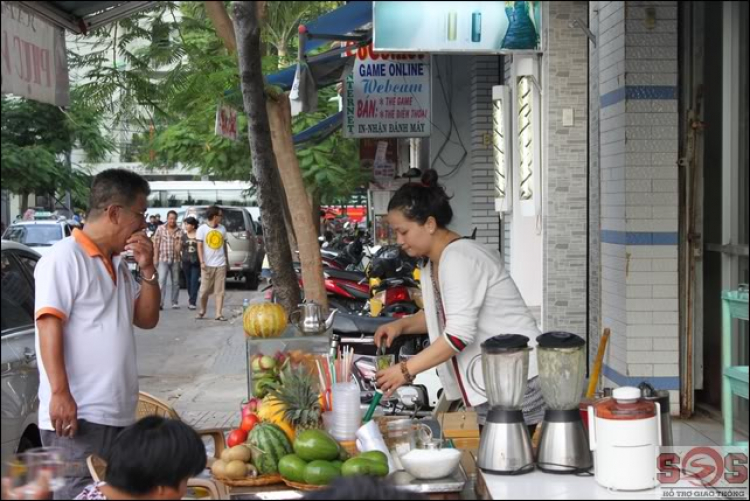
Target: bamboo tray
[[260, 481], [303, 487]]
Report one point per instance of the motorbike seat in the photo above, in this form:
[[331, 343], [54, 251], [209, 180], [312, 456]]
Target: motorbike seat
[[354, 276], [348, 325]]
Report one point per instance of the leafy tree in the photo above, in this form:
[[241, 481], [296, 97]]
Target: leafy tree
[[37, 140]]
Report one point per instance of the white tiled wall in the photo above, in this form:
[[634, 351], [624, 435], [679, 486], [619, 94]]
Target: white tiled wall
[[637, 155]]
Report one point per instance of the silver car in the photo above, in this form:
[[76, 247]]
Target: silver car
[[20, 388], [40, 235]]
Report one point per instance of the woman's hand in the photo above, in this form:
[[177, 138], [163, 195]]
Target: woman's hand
[[388, 331], [390, 379]]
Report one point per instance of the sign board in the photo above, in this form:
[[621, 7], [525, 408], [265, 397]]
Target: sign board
[[387, 96], [226, 122], [450, 27], [34, 63]]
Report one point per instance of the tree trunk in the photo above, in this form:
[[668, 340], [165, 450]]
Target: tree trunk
[[270, 192], [24, 203], [315, 204], [293, 247], [281, 62], [222, 24], [280, 116]]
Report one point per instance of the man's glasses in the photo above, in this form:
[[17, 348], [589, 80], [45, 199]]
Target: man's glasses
[[141, 215]]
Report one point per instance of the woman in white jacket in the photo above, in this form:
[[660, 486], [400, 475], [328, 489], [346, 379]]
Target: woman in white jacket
[[468, 295]]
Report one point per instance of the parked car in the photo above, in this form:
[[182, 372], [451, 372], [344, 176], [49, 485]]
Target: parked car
[[39, 235], [242, 242], [255, 213], [20, 383]]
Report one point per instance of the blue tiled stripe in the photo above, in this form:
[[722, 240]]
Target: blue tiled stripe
[[613, 97], [659, 383], [639, 237], [651, 92], [638, 92]]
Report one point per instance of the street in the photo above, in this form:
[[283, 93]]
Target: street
[[198, 366]]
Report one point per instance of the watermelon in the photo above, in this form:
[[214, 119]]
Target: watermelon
[[269, 444]]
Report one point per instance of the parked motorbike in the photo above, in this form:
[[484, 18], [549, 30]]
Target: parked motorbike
[[359, 332]]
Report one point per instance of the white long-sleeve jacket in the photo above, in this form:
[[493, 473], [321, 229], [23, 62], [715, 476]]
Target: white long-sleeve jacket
[[480, 301]]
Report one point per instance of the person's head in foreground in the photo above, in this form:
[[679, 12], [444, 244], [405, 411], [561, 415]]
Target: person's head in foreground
[[153, 459]]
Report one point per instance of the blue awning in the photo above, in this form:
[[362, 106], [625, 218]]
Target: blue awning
[[341, 21], [321, 130]]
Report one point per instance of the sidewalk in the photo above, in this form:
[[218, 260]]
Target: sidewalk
[[198, 366]]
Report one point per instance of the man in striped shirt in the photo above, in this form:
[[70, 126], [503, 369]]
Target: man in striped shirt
[[167, 243]]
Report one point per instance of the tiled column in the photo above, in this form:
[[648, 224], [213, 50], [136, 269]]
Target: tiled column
[[637, 57], [485, 73], [564, 179]]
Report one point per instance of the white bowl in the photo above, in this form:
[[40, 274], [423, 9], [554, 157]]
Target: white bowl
[[426, 464]]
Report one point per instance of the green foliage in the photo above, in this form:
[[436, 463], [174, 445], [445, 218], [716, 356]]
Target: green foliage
[[38, 137], [173, 71]]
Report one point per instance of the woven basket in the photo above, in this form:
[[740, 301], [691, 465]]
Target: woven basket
[[260, 481], [303, 487]]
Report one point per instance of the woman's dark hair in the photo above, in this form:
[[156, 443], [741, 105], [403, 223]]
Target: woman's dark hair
[[419, 201], [154, 452], [191, 221]]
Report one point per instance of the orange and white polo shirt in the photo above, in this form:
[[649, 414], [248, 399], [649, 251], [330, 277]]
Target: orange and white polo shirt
[[95, 299]]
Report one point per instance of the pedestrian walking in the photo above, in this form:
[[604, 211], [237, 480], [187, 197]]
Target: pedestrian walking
[[191, 265], [214, 259], [167, 245], [86, 305]]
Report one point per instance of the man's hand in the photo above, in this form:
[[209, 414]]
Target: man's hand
[[63, 413], [143, 249]]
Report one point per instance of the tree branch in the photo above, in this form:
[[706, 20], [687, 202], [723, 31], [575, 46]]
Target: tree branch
[[223, 24]]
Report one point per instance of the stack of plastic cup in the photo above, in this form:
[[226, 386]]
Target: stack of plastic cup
[[346, 417]]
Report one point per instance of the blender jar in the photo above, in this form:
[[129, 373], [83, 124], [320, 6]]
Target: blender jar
[[562, 369]]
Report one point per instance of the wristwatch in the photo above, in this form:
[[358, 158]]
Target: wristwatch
[[154, 280]]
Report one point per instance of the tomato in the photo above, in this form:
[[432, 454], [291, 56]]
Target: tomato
[[249, 422], [236, 437]]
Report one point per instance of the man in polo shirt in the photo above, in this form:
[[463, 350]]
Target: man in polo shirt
[[86, 305]]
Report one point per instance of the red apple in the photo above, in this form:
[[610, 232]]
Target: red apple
[[249, 422], [236, 437]]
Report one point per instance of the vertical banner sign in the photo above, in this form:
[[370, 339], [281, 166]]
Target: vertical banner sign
[[226, 122], [387, 95], [34, 64]]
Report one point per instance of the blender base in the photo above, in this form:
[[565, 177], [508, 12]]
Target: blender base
[[505, 445], [564, 445]]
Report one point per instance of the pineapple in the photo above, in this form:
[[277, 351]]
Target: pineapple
[[298, 396]]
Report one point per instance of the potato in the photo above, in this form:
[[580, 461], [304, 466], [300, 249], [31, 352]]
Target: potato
[[225, 456], [219, 469], [239, 453], [236, 470]]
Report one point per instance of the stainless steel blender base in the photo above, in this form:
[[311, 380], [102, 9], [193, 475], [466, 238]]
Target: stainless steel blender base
[[564, 445], [505, 447]]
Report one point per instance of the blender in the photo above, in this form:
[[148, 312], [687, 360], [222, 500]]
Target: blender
[[564, 446], [505, 445]]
